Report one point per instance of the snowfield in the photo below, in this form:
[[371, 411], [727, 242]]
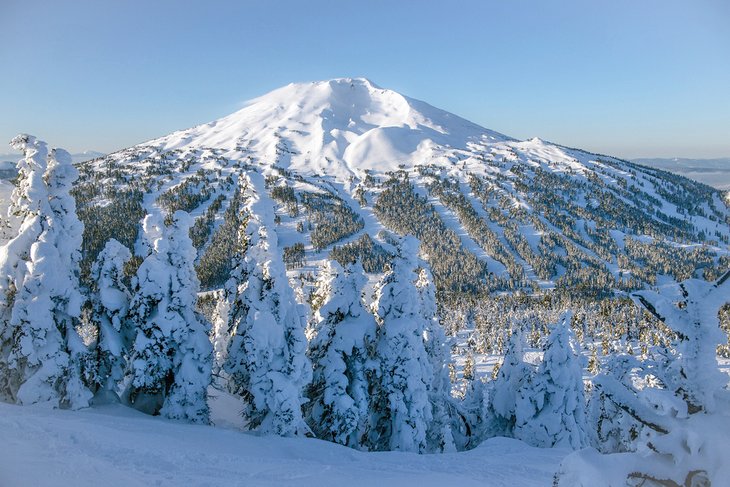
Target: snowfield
[[118, 446]]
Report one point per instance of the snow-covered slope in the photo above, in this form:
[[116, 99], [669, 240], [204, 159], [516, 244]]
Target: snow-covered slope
[[508, 213], [123, 448]]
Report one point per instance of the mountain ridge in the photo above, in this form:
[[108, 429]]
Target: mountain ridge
[[495, 213]]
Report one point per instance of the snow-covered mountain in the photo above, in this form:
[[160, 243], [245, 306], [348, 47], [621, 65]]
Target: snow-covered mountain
[[510, 234], [344, 158], [338, 128]]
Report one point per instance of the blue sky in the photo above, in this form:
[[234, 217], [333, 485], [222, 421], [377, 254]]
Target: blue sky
[[628, 78]]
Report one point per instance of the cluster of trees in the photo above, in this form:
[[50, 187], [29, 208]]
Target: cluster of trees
[[380, 378], [294, 255], [215, 263], [373, 377], [371, 255], [663, 406], [331, 217], [203, 226], [150, 344], [187, 195], [450, 195], [402, 209]]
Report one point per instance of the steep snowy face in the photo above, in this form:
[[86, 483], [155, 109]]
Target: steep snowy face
[[339, 127]]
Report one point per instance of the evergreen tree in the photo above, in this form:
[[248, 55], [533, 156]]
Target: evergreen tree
[[266, 360], [42, 352], [400, 407], [110, 304], [552, 401], [439, 433], [340, 353], [611, 428], [28, 202], [220, 334], [170, 362], [505, 391], [674, 397]]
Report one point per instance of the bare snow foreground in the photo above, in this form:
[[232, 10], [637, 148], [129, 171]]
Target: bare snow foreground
[[117, 446]]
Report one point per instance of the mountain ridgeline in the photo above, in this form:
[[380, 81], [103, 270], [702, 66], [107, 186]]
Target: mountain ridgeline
[[348, 162]]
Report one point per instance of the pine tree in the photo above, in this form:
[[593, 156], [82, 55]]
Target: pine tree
[[266, 360], [170, 362], [28, 201], [42, 352], [673, 398], [110, 304], [552, 401], [439, 433], [504, 391], [611, 428], [340, 353], [400, 406]]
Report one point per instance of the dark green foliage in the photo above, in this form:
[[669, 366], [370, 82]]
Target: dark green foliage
[[294, 256], [215, 265], [372, 256], [200, 231], [186, 196], [333, 219], [455, 269], [118, 218]]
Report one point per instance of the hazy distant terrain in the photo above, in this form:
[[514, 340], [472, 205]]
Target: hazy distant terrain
[[7, 161], [715, 172]]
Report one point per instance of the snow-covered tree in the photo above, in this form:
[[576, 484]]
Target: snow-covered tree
[[679, 398], [220, 334], [612, 429], [266, 360], [41, 350], [226, 296], [340, 353], [439, 435], [505, 391], [170, 360], [400, 407], [29, 199], [551, 410], [110, 304]]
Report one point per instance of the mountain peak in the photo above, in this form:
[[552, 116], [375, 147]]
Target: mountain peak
[[339, 127]]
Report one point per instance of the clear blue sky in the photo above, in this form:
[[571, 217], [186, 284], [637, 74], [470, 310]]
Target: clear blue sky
[[630, 78]]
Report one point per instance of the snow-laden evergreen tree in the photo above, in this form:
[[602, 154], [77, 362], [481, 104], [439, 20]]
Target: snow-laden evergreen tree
[[505, 391], [41, 350], [401, 409], [439, 435], [110, 303], [170, 360], [678, 396], [340, 353], [266, 360], [28, 202], [612, 429], [220, 334], [226, 296], [551, 408]]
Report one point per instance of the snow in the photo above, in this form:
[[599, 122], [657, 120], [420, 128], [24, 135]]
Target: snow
[[116, 446], [338, 127]]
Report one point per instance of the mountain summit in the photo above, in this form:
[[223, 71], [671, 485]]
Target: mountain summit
[[337, 127]]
